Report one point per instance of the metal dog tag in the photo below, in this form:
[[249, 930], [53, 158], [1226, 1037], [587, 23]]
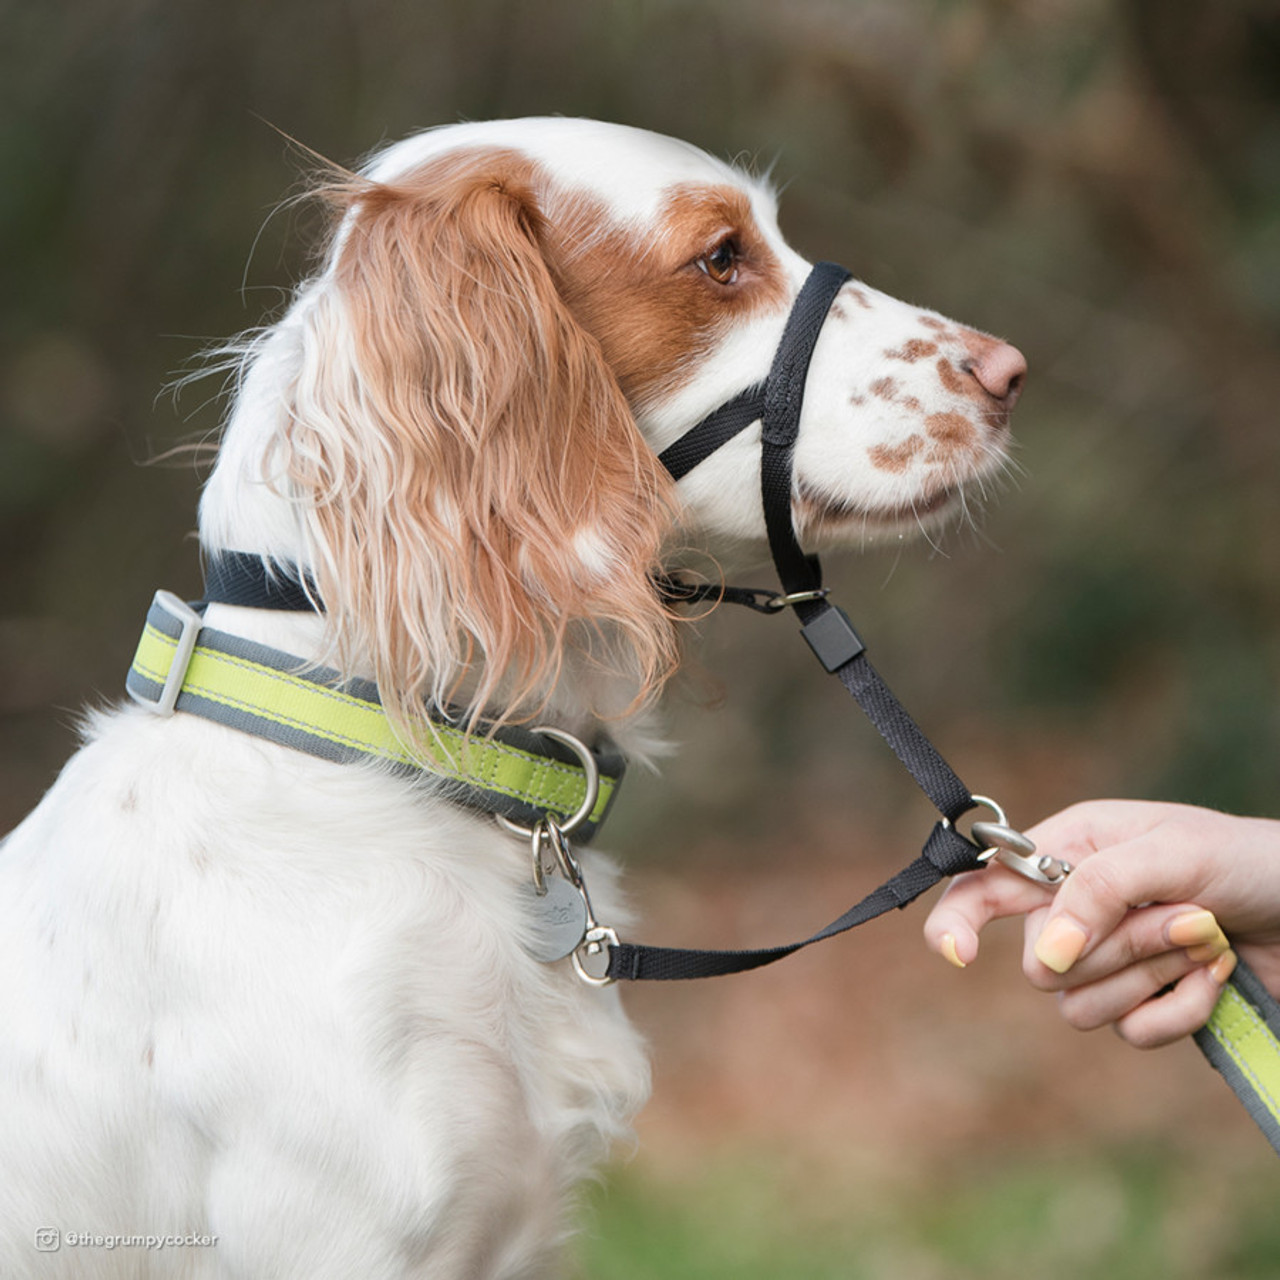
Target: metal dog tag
[[559, 919]]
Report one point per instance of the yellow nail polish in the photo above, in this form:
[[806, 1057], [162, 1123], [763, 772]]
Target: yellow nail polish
[[1223, 967], [1207, 951], [1193, 929], [1060, 944], [948, 949]]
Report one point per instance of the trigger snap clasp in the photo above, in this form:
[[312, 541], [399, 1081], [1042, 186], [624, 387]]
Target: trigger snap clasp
[[1011, 848]]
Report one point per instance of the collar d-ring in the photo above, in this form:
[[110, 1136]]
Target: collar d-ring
[[591, 776]]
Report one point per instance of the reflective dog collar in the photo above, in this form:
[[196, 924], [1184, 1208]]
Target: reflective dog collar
[[183, 665]]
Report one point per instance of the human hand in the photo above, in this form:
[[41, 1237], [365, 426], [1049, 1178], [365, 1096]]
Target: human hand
[[1154, 888]]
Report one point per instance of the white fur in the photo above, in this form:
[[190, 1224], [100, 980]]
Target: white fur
[[252, 994]]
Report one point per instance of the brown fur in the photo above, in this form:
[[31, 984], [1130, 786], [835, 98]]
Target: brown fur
[[951, 433], [895, 458], [953, 380], [653, 311], [912, 350], [481, 431]]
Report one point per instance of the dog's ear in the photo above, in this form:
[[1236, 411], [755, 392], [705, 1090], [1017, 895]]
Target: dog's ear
[[481, 495]]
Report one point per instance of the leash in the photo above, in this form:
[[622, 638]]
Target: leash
[[1242, 1037], [178, 660], [1241, 1040]]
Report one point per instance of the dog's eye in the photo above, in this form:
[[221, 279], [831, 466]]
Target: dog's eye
[[721, 264]]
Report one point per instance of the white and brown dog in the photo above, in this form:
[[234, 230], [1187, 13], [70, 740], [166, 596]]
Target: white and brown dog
[[254, 995]]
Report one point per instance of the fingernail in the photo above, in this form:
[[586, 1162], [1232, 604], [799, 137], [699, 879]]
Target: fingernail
[[1193, 929], [948, 949], [1223, 967], [1060, 945], [1207, 951]]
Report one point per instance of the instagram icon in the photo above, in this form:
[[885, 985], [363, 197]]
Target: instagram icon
[[48, 1239]]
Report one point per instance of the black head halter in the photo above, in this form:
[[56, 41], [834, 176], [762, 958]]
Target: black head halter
[[776, 404]]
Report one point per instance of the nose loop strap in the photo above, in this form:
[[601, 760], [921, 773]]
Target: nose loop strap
[[777, 400], [784, 388], [783, 402]]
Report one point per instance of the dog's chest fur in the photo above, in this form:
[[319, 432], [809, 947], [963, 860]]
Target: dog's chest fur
[[321, 1049]]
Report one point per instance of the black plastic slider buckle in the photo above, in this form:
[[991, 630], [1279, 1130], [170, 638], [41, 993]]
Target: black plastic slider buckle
[[832, 638]]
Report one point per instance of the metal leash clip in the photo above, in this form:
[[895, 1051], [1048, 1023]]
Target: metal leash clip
[[587, 940], [1009, 847], [596, 937]]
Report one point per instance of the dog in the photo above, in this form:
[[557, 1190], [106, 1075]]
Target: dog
[[278, 1012]]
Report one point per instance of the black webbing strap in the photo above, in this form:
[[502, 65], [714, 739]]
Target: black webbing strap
[[829, 634], [945, 853], [714, 430], [933, 775], [783, 401], [826, 628], [240, 578]]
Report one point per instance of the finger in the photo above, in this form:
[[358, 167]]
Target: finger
[[1144, 933], [1184, 1010], [1102, 890], [1110, 999], [971, 902], [1084, 828]]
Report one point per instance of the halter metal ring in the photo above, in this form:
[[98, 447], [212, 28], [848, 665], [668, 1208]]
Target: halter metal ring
[[782, 601], [591, 771], [1000, 818], [1012, 849]]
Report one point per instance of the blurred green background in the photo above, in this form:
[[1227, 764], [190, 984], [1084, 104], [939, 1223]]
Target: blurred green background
[[1098, 181]]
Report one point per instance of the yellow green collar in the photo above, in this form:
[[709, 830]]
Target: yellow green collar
[[183, 665]]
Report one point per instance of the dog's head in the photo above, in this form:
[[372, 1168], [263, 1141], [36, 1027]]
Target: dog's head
[[464, 408]]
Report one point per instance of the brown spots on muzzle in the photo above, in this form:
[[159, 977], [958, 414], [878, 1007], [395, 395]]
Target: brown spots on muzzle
[[951, 378], [912, 350], [951, 433], [943, 330], [885, 388], [895, 458]]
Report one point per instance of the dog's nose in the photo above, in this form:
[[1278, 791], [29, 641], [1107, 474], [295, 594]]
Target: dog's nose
[[1000, 370]]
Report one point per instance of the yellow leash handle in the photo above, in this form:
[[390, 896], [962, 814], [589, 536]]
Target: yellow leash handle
[[1242, 1041]]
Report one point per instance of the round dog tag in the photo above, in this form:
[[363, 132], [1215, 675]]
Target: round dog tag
[[559, 919]]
